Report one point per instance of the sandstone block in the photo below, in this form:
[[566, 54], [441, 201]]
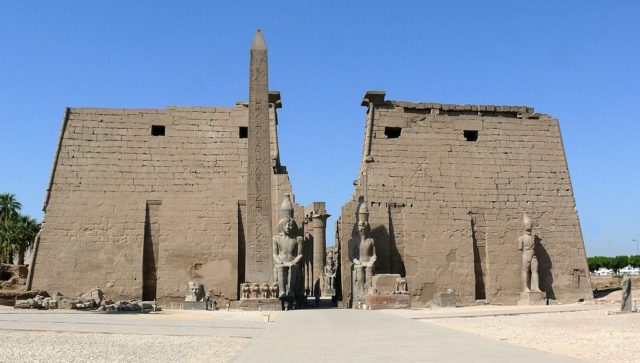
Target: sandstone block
[[377, 302], [532, 298]]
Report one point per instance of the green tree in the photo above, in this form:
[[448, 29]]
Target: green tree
[[17, 232], [27, 229], [8, 236], [9, 206], [634, 261], [597, 262], [620, 262]]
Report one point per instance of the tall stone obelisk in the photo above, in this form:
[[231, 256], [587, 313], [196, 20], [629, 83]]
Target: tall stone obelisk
[[259, 264]]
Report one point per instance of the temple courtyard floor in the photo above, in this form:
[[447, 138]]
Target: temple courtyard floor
[[561, 333]]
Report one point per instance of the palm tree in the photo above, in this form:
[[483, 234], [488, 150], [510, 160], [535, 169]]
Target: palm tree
[[8, 235], [27, 229], [9, 206], [17, 232]]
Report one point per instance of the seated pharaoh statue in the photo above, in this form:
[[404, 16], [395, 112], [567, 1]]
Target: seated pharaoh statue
[[362, 254], [287, 253], [526, 244]]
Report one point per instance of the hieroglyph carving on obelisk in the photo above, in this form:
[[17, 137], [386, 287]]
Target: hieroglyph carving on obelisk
[[259, 266]]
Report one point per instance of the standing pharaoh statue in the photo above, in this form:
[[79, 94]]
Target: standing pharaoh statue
[[526, 244], [362, 254], [330, 271], [287, 253]]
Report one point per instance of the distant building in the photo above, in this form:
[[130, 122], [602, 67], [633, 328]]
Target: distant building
[[629, 270], [603, 272]]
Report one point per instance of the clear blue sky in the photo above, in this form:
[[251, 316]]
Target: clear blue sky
[[577, 60]]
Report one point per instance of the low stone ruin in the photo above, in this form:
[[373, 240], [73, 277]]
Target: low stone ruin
[[92, 300], [13, 276], [9, 297], [130, 305], [37, 302]]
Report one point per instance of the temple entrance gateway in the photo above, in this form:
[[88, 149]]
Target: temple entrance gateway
[[432, 221]]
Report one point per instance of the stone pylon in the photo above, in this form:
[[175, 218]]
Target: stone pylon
[[259, 264]]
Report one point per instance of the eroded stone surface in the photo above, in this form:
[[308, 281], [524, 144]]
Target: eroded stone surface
[[445, 299]]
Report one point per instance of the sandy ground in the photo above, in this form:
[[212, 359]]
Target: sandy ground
[[169, 336], [589, 335], [92, 347], [192, 336]]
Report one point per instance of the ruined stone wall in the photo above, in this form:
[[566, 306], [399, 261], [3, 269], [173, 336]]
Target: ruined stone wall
[[446, 211], [128, 211]]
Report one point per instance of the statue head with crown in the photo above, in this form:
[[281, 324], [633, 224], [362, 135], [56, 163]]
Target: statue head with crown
[[363, 220], [287, 224]]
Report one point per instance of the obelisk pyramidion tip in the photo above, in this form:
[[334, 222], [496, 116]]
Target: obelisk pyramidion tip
[[258, 41]]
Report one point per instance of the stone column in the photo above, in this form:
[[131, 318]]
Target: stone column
[[259, 264], [319, 223], [308, 255]]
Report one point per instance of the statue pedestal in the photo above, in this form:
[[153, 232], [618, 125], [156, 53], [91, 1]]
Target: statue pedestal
[[384, 284], [197, 305], [532, 298], [329, 293], [267, 304], [396, 301]]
